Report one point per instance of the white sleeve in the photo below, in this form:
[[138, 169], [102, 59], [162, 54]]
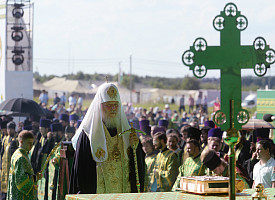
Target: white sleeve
[[273, 173], [254, 172]]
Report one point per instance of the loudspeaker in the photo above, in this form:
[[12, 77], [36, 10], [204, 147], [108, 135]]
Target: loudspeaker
[[18, 11], [19, 35]]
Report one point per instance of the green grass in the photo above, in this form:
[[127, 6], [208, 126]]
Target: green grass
[[160, 105]]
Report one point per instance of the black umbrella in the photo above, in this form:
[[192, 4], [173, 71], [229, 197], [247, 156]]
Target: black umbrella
[[11, 113], [23, 106]]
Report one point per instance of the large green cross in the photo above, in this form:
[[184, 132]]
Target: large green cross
[[230, 57]]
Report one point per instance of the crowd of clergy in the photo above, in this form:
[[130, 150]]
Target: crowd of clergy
[[192, 145], [176, 144], [46, 134]]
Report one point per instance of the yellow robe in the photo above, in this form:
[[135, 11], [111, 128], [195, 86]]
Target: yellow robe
[[6, 164], [150, 163], [166, 167], [190, 167], [113, 174]]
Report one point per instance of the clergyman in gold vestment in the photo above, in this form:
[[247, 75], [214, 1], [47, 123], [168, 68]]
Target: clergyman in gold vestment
[[104, 160]]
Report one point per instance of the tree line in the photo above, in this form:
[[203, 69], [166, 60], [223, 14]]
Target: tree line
[[249, 83]]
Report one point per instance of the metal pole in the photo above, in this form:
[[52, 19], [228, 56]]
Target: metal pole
[[131, 87], [119, 71], [231, 138], [69, 57], [6, 45], [269, 79], [232, 173], [32, 22]]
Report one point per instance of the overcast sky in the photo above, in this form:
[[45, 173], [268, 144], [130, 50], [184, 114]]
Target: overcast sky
[[95, 35]]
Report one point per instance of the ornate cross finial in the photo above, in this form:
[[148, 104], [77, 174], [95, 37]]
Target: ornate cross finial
[[106, 77]]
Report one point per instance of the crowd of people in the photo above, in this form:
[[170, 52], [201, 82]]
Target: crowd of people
[[181, 144], [171, 144], [24, 148], [193, 146]]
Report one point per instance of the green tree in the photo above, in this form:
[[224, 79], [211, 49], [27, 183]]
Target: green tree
[[210, 86], [79, 76], [115, 78], [190, 83], [96, 77], [126, 81]]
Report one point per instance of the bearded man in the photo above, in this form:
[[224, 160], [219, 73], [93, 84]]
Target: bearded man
[[103, 160], [166, 165]]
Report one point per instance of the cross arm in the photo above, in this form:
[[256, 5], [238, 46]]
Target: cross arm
[[201, 60], [201, 57]]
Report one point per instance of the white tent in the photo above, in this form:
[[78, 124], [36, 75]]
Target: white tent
[[38, 86], [61, 85]]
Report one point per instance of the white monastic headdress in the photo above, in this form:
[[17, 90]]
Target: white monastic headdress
[[93, 126]]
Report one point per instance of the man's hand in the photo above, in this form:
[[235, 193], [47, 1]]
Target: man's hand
[[252, 147], [254, 156], [134, 140]]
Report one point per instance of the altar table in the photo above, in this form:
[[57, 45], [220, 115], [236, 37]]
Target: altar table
[[245, 195]]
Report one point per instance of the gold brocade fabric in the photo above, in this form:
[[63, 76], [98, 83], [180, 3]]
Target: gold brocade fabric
[[6, 163], [113, 174], [53, 171], [42, 182], [21, 182], [150, 163], [166, 165], [2, 145]]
